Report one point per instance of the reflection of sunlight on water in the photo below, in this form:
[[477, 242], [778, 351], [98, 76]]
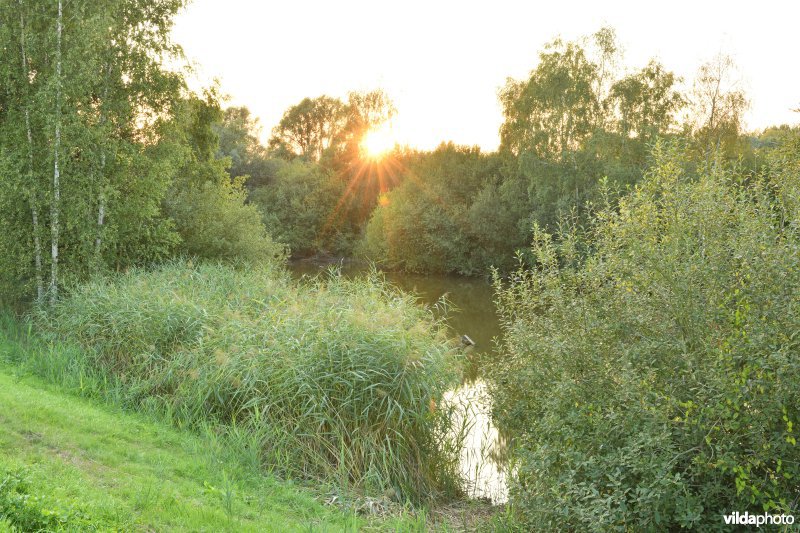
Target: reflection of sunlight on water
[[485, 479]]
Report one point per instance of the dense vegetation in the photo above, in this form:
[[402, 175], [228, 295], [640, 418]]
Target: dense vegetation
[[107, 161], [337, 380], [649, 378], [579, 117]]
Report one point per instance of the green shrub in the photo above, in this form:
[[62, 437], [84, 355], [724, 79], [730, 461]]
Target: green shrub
[[454, 212], [302, 208], [651, 380], [215, 223], [339, 379]]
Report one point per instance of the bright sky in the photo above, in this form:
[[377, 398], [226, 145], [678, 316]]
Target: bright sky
[[442, 62]]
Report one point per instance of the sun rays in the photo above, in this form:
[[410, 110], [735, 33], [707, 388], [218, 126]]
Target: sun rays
[[378, 142]]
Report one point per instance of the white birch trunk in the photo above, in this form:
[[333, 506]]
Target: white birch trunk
[[54, 208], [101, 208], [33, 196]]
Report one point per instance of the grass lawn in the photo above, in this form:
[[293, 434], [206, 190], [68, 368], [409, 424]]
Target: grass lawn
[[70, 463]]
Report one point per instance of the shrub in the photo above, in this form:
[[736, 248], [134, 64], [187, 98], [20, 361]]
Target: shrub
[[651, 379], [302, 208], [453, 213], [215, 223], [339, 379]]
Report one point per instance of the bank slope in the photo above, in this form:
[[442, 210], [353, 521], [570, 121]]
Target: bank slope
[[68, 463]]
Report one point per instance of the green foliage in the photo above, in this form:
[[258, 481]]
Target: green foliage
[[650, 380], [572, 122], [556, 109], [718, 107], [646, 102], [238, 133], [215, 223], [309, 128], [300, 208], [328, 130], [452, 213], [91, 71], [576, 119], [27, 512], [337, 380], [207, 207], [322, 201]]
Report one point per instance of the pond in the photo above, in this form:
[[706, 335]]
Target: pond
[[473, 313]]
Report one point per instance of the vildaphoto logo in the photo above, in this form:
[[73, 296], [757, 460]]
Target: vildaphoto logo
[[758, 520]]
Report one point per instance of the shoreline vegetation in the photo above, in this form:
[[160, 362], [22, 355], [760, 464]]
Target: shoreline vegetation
[[274, 369], [69, 462], [336, 379], [643, 245]]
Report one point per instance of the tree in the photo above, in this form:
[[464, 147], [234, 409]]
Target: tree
[[84, 90], [309, 128], [209, 209], [646, 102], [450, 214], [365, 111], [300, 208], [238, 134], [717, 108], [325, 125], [556, 109]]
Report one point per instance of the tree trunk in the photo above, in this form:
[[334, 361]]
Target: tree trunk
[[54, 207], [32, 196], [101, 200]]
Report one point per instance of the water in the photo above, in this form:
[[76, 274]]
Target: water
[[473, 314]]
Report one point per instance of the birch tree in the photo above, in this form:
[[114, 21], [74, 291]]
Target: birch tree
[[83, 102], [55, 207], [33, 192]]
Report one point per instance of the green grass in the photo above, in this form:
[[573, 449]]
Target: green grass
[[86, 466]]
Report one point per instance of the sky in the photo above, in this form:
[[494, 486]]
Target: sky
[[442, 62]]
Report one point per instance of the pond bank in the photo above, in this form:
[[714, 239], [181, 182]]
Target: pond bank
[[472, 312]]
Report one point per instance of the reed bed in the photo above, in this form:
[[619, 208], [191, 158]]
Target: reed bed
[[334, 380]]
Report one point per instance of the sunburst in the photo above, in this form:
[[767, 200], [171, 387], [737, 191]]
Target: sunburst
[[378, 142]]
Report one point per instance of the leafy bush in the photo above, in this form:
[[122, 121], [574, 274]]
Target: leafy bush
[[651, 379], [215, 223], [339, 379], [452, 213], [299, 207]]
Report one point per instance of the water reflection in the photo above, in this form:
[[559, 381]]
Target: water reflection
[[485, 477]]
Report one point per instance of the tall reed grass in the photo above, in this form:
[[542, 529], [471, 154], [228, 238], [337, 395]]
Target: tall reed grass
[[337, 380]]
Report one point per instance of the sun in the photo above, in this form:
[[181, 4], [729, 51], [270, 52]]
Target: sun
[[378, 142]]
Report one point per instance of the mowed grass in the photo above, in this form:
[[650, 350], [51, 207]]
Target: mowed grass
[[75, 465]]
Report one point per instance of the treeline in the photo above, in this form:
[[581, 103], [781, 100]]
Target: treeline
[[107, 161], [579, 117]]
